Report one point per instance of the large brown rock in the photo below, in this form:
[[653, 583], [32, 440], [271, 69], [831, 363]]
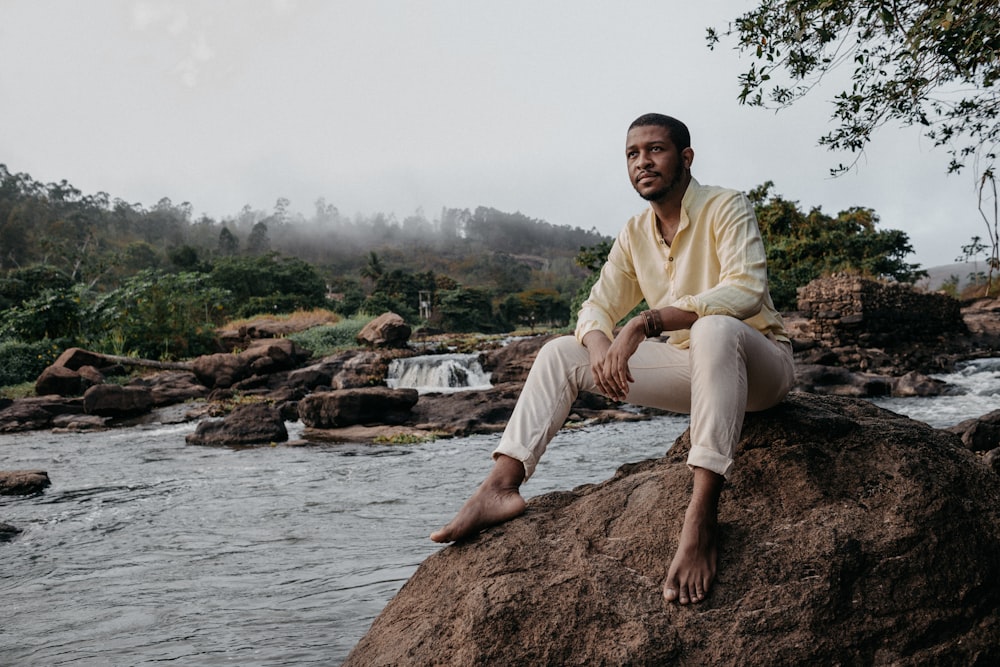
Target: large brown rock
[[512, 362], [36, 412], [982, 317], [386, 330], [170, 387], [60, 381], [366, 405], [917, 384], [839, 381], [75, 358], [222, 370], [271, 355], [849, 535], [344, 370], [23, 482], [464, 412], [246, 425], [111, 400], [262, 357], [980, 434], [64, 381]]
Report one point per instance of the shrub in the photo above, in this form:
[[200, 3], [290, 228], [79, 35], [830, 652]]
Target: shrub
[[23, 362], [329, 338], [50, 314], [158, 315]]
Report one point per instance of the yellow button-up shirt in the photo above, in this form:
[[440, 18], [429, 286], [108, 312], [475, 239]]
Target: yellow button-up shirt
[[716, 265]]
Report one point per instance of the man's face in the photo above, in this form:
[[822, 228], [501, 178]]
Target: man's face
[[655, 166]]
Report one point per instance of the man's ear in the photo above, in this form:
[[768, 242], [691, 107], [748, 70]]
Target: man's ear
[[688, 156]]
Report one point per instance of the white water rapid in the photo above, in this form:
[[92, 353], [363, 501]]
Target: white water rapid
[[438, 373]]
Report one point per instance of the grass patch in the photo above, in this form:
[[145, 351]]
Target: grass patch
[[15, 391], [288, 323], [327, 339]]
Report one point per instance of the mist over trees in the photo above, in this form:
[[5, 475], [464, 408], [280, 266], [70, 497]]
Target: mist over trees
[[123, 278], [99, 240]]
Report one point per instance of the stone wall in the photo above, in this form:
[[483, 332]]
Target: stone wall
[[850, 310]]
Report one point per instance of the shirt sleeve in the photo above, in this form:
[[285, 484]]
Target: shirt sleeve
[[615, 293], [742, 287]]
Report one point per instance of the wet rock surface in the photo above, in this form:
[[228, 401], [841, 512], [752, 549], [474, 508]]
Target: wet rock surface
[[8, 532], [23, 482], [36, 412], [111, 400], [246, 425], [981, 434], [849, 535], [348, 407]]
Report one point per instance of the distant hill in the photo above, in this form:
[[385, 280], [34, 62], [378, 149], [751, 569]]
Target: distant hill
[[938, 275]]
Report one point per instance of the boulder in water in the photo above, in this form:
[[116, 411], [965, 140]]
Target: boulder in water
[[35, 412], [465, 412], [848, 535], [111, 400], [980, 434], [23, 482], [8, 532], [367, 405], [246, 425]]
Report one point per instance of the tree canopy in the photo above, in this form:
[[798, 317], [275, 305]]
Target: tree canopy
[[804, 246], [931, 63]]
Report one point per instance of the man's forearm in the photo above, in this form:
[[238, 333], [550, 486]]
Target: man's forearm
[[672, 319]]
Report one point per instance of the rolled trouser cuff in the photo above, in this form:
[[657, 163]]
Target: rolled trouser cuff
[[519, 452], [703, 457]]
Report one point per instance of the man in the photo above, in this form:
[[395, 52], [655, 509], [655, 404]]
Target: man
[[697, 257]]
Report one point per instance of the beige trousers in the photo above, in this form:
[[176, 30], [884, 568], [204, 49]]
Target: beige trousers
[[729, 369]]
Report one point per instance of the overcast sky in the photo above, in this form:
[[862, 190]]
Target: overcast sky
[[390, 106]]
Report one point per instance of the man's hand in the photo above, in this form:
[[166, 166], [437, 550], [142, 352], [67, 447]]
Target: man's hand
[[609, 360]]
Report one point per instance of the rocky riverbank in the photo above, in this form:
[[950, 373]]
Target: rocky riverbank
[[849, 534], [851, 338]]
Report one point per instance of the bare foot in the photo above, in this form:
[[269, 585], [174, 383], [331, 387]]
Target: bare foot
[[496, 500], [692, 570]]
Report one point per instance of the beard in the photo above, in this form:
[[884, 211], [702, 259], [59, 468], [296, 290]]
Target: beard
[[668, 187]]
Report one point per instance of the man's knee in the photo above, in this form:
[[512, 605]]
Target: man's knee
[[559, 355], [715, 327], [560, 347]]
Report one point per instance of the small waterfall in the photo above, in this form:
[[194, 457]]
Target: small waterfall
[[438, 373]]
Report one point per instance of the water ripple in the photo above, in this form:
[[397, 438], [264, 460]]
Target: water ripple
[[146, 551]]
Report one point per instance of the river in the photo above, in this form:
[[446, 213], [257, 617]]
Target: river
[[145, 550]]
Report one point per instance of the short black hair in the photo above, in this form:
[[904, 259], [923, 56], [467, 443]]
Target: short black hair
[[679, 133]]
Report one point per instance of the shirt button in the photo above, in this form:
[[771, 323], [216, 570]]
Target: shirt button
[[670, 259]]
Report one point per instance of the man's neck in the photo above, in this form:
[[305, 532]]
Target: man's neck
[[668, 210]]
